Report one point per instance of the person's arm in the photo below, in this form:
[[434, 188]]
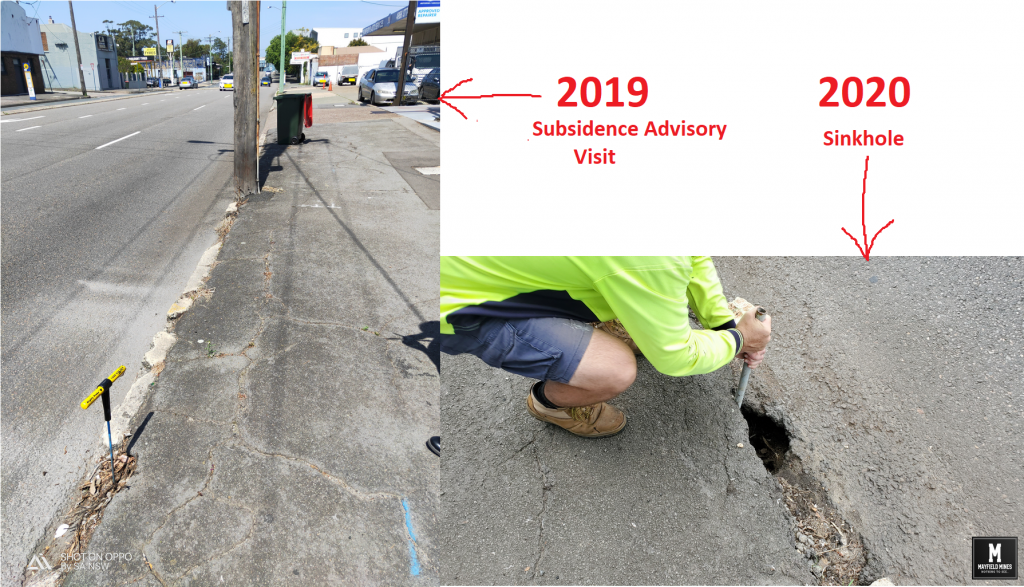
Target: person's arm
[[652, 306], [704, 293]]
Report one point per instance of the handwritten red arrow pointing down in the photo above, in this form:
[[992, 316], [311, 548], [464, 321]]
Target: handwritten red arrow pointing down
[[445, 97], [866, 253]]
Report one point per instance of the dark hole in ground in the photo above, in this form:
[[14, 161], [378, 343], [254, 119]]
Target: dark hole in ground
[[768, 437]]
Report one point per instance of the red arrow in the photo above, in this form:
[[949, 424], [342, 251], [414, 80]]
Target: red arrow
[[445, 95], [866, 253]]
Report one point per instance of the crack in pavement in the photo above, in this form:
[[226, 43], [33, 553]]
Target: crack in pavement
[[546, 487]]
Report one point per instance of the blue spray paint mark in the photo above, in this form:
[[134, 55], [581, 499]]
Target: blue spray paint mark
[[415, 569]]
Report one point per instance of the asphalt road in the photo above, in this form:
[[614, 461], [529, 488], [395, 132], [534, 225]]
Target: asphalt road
[[107, 208], [898, 383], [901, 383]]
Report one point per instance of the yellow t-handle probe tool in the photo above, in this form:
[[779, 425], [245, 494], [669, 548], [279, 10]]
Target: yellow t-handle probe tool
[[103, 391]]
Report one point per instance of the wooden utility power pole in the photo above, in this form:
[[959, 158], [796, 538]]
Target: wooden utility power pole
[[157, 16], [410, 22], [78, 51], [245, 27]]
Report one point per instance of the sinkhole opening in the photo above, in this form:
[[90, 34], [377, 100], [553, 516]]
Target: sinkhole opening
[[768, 437]]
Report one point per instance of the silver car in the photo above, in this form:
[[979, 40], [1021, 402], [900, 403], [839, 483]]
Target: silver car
[[379, 86]]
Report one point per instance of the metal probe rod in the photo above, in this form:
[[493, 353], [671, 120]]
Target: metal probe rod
[[745, 374], [102, 391]]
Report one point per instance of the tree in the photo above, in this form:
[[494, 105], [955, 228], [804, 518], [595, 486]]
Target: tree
[[357, 43], [293, 43], [194, 48], [220, 51], [129, 31], [126, 66]]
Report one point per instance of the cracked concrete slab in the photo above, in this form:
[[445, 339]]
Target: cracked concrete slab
[[174, 467], [227, 326], [202, 389], [383, 419], [184, 542]]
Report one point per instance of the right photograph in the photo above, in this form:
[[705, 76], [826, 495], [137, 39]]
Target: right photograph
[[730, 420]]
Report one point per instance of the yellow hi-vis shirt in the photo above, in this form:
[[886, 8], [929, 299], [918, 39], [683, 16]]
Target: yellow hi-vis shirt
[[650, 295]]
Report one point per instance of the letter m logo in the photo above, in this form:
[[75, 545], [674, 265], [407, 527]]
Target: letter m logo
[[995, 551]]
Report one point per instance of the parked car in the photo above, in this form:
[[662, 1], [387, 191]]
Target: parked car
[[188, 82], [349, 74], [430, 90], [152, 82], [379, 86], [227, 82], [265, 81], [321, 78], [167, 82]]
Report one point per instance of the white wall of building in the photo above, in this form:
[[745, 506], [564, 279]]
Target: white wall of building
[[23, 36], [335, 37]]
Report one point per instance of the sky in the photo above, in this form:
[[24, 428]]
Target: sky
[[203, 18]]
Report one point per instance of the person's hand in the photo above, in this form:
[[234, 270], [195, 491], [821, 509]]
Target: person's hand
[[753, 359], [756, 336]]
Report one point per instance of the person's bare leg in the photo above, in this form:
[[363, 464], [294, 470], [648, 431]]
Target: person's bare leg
[[608, 368]]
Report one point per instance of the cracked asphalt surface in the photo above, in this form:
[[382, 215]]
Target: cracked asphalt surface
[[288, 446], [899, 385]]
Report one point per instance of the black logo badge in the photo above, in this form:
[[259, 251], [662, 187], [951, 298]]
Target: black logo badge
[[994, 558]]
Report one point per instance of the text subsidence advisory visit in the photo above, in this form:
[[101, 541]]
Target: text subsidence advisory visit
[[594, 156]]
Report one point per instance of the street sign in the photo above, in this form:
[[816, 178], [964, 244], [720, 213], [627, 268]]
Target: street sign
[[149, 51], [170, 46], [428, 12], [28, 81], [300, 57]]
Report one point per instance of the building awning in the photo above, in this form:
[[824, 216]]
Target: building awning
[[428, 16]]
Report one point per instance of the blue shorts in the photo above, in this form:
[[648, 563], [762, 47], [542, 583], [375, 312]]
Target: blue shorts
[[549, 349]]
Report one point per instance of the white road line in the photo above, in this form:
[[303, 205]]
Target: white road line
[[86, 116], [122, 108], [429, 170], [120, 139], [144, 103], [21, 119], [29, 128], [203, 106]]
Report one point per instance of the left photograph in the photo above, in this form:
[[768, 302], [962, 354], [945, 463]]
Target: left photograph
[[220, 306]]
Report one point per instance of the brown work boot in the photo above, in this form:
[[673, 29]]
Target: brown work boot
[[596, 421]]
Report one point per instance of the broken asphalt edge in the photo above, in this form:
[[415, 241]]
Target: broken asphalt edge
[[164, 340]]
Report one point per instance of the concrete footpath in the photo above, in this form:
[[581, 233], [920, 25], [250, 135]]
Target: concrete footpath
[[283, 441]]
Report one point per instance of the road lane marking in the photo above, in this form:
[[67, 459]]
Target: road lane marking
[[29, 128], [144, 103], [21, 119], [203, 106], [122, 108], [120, 139], [86, 116], [429, 170]]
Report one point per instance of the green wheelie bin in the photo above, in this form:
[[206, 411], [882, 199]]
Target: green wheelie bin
[[293, 112]]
